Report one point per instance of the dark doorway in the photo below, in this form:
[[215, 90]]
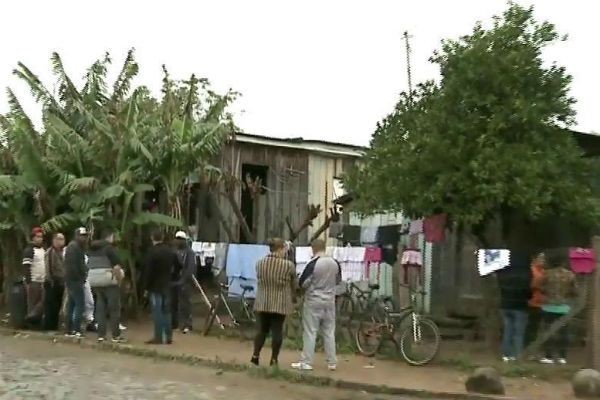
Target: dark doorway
[[252, 173]]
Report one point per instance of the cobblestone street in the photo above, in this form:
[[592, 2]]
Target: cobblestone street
[[33, 369]]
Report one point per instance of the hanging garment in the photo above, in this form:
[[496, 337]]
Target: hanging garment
[[336, 230], [389, 234], [220, 258], [351, 234], [416, 226], [412, 257], [583, 261], [389, 254], [368, 234], [372, 258], [386, 285], [303, 256], [435, 228], [241, 263], [413, 275], [352, 261], [491, 260]]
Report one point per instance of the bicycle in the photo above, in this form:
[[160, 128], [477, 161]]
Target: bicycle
[[244, 320], [371, 334], [356, 302]]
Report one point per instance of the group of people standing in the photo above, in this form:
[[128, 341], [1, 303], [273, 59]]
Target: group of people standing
[[82, 283], [536, 294], [277, 291], [59, 281]]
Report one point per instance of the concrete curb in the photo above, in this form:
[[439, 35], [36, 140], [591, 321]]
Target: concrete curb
[[261, 372]]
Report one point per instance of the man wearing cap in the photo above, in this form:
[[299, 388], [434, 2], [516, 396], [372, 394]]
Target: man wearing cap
[[185, 284], [34, 263], [75, 276]]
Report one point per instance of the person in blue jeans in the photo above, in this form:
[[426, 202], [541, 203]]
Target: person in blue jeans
[[515, 291], [75, 276], [158, 272]]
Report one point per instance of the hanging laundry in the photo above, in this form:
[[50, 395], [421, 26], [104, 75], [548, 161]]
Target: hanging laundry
[[220, 258], [583, 261], [492, 260], [416, 226], [405, 227], [435, 228], [412, 257], [389, 254], [351, 234], [368, 234], [389, 234], [336, 230], [372, 258], [303, 256], [241, 263], [351, 260], [413, 241], [386, 285]]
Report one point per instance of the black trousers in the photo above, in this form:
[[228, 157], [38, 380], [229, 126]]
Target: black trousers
[[273, 323], [533, 325], [53, 298], [558, 343]]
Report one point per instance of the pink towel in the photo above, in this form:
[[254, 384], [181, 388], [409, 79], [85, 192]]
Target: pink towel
[[435, 228], [373, 255], [583, 261]]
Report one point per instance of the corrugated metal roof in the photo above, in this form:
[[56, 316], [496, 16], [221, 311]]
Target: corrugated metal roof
[[318, 146]]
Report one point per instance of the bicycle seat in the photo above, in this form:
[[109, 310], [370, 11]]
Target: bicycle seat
[[247, 288], [374, 287]]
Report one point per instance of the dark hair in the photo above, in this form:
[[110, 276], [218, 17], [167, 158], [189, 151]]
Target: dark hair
[[157, 235]]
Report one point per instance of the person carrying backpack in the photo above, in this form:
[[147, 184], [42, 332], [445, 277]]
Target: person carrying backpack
[[105, 275]]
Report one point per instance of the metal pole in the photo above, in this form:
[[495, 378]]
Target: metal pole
[[593, 337]]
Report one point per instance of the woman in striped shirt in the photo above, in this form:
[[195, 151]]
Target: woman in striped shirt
[[275, 297]]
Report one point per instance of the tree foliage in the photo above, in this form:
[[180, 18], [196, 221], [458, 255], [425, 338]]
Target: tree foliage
[[486, 141], [103, 145]]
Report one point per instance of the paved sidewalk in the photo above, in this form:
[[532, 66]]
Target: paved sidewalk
[[352, 368]]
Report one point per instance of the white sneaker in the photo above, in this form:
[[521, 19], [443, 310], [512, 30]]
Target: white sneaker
[[506, 359], [332, 367], [546, 361], [300, 366], [185, 331], [561, 361], [122, 327], [101, 340]]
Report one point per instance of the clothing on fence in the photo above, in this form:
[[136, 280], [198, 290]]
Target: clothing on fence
[[351, 260], [491, 260], [303, 256], [412, 257], [583, 261], [369, 234], [372, 259], [434, 228], [241, 263], [389, 235], [416, 226]]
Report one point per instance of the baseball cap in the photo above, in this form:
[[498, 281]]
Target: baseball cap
[[82, 231], [181, 235]]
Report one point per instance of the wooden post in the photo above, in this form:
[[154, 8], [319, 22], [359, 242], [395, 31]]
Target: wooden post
[[593, 336]]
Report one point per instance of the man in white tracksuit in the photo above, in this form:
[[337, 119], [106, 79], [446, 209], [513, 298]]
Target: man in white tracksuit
[[319, 280]]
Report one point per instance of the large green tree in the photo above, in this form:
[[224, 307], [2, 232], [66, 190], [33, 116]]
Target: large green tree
[[487, 144]]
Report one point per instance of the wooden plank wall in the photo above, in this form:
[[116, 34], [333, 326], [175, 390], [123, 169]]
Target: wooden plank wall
[[286, 195]]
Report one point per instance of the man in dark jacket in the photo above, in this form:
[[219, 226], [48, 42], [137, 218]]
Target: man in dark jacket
[[105, 275], [75, 275], [515, 292], [185, 284], [34, 264], [161, 262]]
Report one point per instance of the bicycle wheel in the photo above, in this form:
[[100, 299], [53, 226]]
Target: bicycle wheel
[[368, 337], [420, 341]]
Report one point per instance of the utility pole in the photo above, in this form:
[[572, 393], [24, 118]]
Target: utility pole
[[408, 67]]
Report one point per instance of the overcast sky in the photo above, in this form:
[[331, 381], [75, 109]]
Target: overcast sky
[[323, 69]]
